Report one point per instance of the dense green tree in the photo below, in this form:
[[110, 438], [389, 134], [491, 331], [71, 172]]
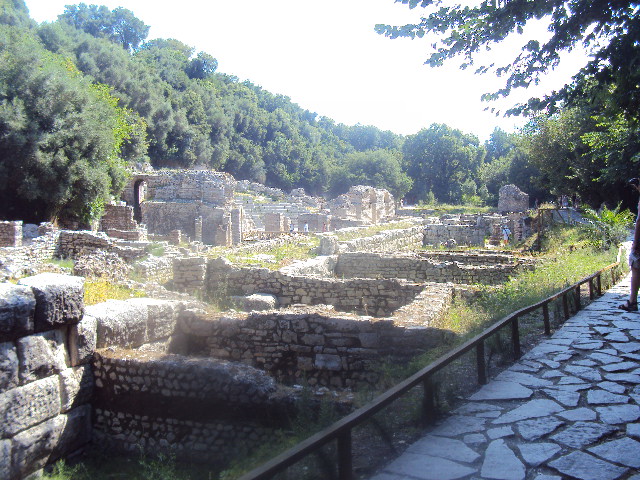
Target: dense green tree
[[608, 29], [439, 159], [60, 135], [120, 25]]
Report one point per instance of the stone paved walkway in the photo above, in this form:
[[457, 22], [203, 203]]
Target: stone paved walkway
[[568, 409]]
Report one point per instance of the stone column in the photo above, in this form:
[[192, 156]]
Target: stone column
[[198, 229]]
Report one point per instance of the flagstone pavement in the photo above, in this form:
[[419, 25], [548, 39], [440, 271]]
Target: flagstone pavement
[[568, 409]]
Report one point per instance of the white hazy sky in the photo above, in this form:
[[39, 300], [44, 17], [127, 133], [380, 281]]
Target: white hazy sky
[[327, 58]]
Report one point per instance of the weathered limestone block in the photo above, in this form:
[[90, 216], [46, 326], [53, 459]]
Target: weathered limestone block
[[162, 316], [82, 340], [17, 307], [120, 323], [257, 301], [28, 405], [5, 458], [8, 366], [33, 448], [44, 443], [59, 299], [41, 355], [76, 386]]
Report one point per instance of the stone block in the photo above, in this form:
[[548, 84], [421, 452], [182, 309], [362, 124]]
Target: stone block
[[59, 299], [76, 432], [41, 355], [26, 406], [76, 386], [33, 448], [162, 316], [120, 324], [8, 367], [328, 362], [82, 340], [257, 301], [17, 307], [5, 458]]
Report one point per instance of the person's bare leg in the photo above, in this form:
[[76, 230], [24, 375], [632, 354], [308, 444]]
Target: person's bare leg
[[635, 285]]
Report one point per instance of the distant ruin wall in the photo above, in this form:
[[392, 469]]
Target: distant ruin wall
[[388, 240], [437, 233], [74, 243], [417, 268], [512, 199], [10, 234], [321, 348]]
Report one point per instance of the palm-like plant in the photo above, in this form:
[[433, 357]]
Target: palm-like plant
[[608, 227]]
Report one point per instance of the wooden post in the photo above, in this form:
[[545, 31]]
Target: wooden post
[[515, 338], [428, 403], [345, 462], [565, 306], [578, 300], [591, 292], [599, 284], [481, 363], [545, 315]]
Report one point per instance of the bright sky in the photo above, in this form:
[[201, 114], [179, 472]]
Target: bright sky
[[327, 58]]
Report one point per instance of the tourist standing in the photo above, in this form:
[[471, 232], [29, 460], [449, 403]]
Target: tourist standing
[[631, 305]]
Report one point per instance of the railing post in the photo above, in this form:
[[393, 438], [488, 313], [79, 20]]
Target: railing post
[[515, 338], [428, 403], [345, 462], [565, 306], [545, 318], [578, 300], [599, 284], [481, 363], [591, 292]]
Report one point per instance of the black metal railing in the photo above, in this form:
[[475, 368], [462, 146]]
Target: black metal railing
[[340, 431]]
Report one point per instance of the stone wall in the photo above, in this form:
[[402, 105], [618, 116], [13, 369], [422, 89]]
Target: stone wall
[[512, 199], [365, 295], [196, 408], [189, 274], [316, 346], [387, 240], [419, 268], [75, 243], [45, 375], [18, 262], [10, 234], [117, 222], [463, 234]]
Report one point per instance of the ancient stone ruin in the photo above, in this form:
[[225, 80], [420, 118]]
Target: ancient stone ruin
[[170, 374], [512, 199]]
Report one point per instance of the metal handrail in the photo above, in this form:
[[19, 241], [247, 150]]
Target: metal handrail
[[341, 430]]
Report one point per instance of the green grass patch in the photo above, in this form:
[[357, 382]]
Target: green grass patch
[[280, 256], [438, 209], [98, 291], [61, 262]]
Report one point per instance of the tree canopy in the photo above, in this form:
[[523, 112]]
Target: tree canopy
[[609, 29]]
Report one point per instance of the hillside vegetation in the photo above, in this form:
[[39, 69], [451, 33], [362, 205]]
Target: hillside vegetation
[[88, 97]]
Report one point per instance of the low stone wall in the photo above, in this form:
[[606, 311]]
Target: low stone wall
[[45, 376], [418, 268], [18, 262], [74, 243], [365, 295], [388, 240], [154, 269], [196, 408], [476, 257], [316, 346]]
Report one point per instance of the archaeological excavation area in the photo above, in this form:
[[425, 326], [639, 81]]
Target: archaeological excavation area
[[220, 355]]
